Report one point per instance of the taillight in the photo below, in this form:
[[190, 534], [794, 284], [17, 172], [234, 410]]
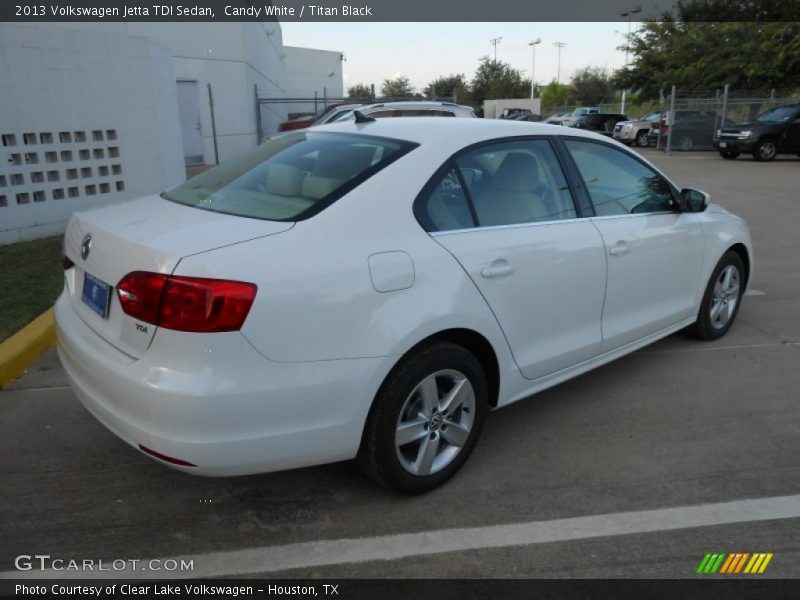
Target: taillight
[[181, 303], [67, 263]]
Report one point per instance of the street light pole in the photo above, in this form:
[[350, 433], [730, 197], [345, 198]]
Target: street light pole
[[559, 45], [494, 42], [532, 44], [628, 12]]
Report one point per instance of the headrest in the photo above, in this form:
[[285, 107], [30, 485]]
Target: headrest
[[318, 187], [284, 180], [343, 163], [519, 172]]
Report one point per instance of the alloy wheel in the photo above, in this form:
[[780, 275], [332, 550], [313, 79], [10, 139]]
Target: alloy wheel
[[724, 297], [767, 150], [435, 422]]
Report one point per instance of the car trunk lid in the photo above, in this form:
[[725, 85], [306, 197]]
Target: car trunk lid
[[148, 234]]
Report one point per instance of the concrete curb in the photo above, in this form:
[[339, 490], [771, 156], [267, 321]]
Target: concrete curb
[[19, 351]]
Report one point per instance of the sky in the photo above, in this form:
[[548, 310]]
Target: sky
[[424, 51]]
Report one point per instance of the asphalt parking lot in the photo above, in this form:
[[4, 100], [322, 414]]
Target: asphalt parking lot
[[673, 442]]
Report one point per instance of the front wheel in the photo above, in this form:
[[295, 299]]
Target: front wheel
[[765, 151], [642, 139], [721, 299], [426, 419]]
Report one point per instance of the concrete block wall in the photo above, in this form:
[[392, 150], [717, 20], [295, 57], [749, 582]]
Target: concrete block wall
[[87, 118]]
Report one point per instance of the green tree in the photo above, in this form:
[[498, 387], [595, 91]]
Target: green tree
[[557, 94], [359, 91], [397, 87], [592, 85], [449, 86], [705, 44], [495, 79]]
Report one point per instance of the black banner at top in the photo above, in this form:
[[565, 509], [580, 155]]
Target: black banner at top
[[33, 11]]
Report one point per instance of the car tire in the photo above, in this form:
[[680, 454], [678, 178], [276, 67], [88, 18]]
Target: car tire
[[765, 150], [721, 299], [428, 453], [642, 139], [729, 154]]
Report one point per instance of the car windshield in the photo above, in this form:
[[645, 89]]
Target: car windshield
[[652, 117], [777, 115], [290, 177]]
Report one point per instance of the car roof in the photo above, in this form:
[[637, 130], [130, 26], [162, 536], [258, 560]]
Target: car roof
[[449, 132]]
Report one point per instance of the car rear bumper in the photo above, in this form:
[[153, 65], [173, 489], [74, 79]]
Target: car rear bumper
[[213, 401]]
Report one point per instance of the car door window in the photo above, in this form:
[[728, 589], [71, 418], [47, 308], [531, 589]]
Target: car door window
[[516, 182], [618, 183]]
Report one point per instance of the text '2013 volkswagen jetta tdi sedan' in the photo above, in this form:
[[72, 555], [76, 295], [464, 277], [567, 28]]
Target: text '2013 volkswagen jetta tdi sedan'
[[370, 289]]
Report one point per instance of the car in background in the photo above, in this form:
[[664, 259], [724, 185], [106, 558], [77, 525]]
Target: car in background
[[270, 314], [556, 119], [602, 123], [337, 113], [513, 113], [572, 118], [408, 108], [776, 131], [636, 132], [308, 120], [690, 131], [531, 118]]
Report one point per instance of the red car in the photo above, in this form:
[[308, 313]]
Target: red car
[[303, 122]]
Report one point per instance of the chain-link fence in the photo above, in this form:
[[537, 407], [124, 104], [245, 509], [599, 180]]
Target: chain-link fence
[[689, 120]]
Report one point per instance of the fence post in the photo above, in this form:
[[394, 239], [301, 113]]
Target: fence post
[[258, 114], [324, 98], [316, 93], [724, 106], [671, 117], [214, 123]]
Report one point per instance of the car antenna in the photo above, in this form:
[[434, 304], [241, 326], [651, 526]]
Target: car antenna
[[361, 117]]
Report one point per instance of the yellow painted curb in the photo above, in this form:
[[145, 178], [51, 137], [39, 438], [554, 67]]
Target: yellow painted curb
[[19, 351]]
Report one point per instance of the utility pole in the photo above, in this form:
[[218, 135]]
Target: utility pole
[[559, 45], [494, 42], [532, 44], [628, 12]]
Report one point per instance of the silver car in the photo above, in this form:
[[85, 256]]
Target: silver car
[[635, 132], [409, 108]]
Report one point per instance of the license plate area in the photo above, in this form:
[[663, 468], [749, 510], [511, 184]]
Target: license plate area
[[723, 144], [96, 295]]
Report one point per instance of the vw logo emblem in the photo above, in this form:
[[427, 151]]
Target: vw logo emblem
[[86, 245]]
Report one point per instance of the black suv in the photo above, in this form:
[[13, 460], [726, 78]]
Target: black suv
[[603, 123], [776, 131]]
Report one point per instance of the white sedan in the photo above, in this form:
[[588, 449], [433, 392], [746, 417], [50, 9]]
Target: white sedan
[[371, 289]]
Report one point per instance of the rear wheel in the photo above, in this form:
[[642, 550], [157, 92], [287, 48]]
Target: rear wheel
[[642, 140], [721, 299], [426, 419], [765, 150], [729, 154]]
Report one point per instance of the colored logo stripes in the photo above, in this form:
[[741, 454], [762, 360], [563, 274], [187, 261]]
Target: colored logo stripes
[[735, 562]]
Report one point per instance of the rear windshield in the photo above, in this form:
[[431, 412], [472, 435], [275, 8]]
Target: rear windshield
[[290, 177]]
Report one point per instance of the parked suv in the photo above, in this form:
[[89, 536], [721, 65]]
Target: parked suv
[[570, 120], [411, 108], [600, 122], [774, 132], [636, 132]]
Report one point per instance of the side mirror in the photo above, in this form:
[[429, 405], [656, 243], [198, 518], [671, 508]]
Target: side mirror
[[694, 200]]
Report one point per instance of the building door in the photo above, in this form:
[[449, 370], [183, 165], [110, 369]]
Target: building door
[[189, 110]]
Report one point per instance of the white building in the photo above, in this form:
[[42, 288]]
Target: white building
[[92, 113]]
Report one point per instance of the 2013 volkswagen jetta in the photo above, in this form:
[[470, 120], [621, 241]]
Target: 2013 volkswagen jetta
[[370, 289]]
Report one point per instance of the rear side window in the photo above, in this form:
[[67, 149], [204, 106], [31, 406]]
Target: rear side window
[[291, 177], [505, 183]]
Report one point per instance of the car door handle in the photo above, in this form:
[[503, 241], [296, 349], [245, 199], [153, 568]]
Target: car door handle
[[497, 269], [620, 249]]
